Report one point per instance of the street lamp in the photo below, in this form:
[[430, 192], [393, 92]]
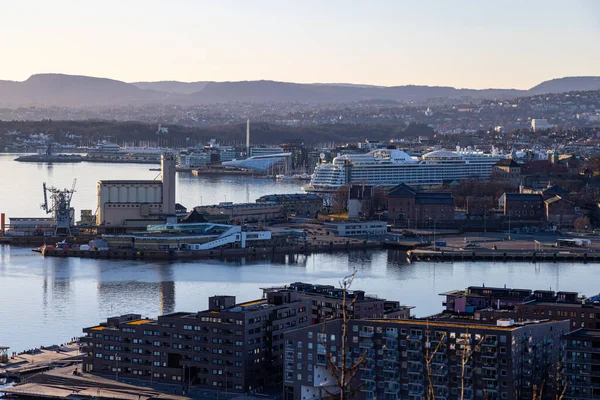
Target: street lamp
[[434, 222], [485, 220]]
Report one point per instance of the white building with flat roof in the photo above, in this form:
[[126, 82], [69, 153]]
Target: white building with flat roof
[[538, 124], [357, 228]]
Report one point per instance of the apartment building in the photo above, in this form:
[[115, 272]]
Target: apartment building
[[415, 359], [231, 346], [582, 364], [327, 302]]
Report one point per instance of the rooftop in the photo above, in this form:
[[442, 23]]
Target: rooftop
[[468, 324], [289, 197], [507, 162], [590, 333], [328, 291], [523, 196], [139, 322], [129, 182]]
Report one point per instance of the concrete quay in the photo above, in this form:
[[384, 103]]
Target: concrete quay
[[339, 244], [38, 360], [70, 383], [501, 256]]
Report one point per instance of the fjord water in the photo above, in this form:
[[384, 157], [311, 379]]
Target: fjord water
[[47, 301]]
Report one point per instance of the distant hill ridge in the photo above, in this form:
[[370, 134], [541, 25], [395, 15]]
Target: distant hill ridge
[[76, 90]]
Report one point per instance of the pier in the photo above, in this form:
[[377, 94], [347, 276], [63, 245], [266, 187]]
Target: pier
[[502, 256]]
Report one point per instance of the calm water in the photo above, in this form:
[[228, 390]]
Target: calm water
[[48, 301]]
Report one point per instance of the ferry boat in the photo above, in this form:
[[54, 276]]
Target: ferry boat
[[388, 167]]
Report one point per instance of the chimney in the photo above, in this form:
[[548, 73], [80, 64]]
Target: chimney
[[248, 138], [167, 167]]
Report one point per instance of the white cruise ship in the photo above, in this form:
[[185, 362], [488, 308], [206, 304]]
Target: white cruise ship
[[392, 167]]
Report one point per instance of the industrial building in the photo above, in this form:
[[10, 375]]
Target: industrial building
[[127, 204], [227, 212], [418, 359], [301, 204]]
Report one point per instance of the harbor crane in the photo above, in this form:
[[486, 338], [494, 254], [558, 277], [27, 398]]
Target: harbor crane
[[60, 208]]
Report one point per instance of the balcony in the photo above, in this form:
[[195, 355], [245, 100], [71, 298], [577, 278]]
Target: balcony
[[492, 343], [392, 389], [390, 356], [366, 334], [439, 371], [414, 366], [416, 390], [391, 345], [369, 375], [390, 367], [390, 334], [367, 366], [489, 382], [490, 355], [369, 386], [391, 376], [366, 344], [415, 378]]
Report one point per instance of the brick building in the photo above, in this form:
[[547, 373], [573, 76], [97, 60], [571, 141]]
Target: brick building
[[408, 207], [238, 346], [507, 169], [523, 206], [405, 359], [560, 212]]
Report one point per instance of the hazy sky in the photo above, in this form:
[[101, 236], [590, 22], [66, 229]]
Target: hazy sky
[[479, 43]]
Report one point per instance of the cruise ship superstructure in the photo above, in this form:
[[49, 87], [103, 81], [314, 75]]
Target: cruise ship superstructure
[[385, 167]]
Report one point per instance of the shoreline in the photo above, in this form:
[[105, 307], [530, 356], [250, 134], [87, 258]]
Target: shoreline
[[183, 255]]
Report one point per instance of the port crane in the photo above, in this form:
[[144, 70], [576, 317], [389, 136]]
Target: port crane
[[60, 208]]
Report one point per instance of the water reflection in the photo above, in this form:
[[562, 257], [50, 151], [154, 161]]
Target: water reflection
[[157, 293]]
